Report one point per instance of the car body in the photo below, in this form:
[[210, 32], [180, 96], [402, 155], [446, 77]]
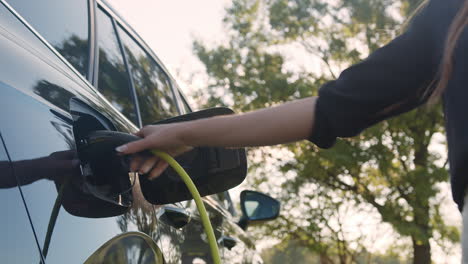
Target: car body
[[61, 59]]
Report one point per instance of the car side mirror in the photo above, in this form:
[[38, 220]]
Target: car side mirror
[[257, 207]]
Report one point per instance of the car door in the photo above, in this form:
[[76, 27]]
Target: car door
[[17, 235], [41, 94]]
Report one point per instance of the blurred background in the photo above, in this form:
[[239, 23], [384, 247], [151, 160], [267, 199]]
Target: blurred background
[[382, 197]]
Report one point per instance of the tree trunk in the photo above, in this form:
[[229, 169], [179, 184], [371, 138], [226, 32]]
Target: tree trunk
[[422, 252], [324, 259]]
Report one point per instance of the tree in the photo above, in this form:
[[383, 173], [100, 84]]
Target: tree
[[389, 166], [291, 252]]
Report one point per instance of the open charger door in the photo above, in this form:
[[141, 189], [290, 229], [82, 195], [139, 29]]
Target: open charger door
[[103, 188], [212, 169]]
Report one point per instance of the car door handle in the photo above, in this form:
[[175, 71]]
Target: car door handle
[[174, 216], [227, 242]]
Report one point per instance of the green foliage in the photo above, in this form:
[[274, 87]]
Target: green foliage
[[388, 166], [291, 252]]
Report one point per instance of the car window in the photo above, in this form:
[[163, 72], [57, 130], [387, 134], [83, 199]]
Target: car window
[[64, 24], [113, 79], [155, 97], [185, 106]]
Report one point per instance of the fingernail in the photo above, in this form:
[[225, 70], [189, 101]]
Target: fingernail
[[121, 148]]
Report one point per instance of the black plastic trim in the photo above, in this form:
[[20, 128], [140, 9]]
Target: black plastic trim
[[91, 40], [94, 80], [130, 78]]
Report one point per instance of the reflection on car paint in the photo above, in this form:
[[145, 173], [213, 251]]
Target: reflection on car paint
[[70, 36], [36, 87], [190, 245], [41, 140], [113, 79], [131, 247], [155, 97], [243, 250], [14, 225], [41, 179]]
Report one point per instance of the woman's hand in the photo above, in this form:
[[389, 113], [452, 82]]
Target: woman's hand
[[165, 137], [284, 123]]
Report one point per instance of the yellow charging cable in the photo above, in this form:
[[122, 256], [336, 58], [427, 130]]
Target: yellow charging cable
[[198, 201]]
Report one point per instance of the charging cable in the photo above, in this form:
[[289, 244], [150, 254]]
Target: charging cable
[[198, 201]]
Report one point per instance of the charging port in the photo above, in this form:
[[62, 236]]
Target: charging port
[[104, 174]]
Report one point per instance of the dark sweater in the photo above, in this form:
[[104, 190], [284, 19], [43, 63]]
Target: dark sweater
[[393, 80]]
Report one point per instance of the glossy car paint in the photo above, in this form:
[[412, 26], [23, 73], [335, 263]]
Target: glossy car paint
[[17, 235], [130, 247], [37, 130]]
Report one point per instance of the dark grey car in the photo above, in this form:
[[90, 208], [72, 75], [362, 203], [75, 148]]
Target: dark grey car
[[63, 59]]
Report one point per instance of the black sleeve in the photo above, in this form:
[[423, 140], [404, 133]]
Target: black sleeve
[[392, 80]]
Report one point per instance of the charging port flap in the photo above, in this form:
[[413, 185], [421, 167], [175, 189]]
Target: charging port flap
[[105, 186]]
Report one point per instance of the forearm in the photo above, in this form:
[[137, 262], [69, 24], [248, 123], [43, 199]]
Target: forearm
[[285, 123]]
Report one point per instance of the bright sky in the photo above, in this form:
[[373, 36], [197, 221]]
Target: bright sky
[[169, 28]]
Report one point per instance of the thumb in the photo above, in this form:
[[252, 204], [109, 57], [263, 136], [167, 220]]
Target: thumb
[[133, 147], [144, 131]]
